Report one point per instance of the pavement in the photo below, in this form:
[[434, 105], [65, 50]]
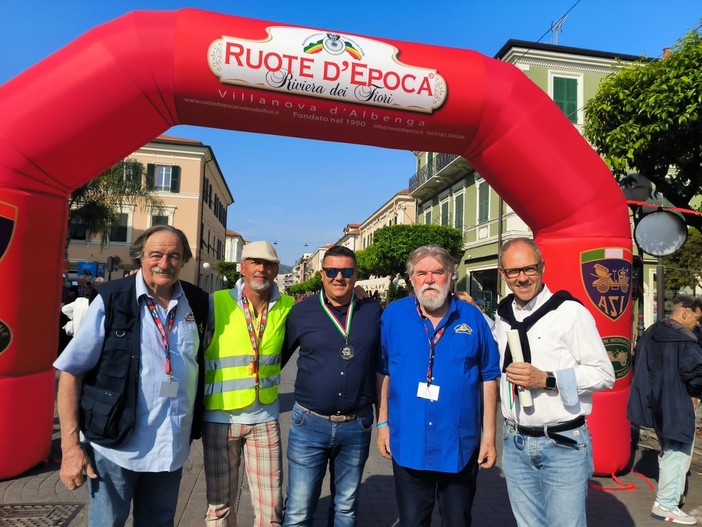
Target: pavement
[[38, 499]]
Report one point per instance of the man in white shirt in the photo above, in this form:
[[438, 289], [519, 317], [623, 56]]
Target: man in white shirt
[[547, 453]]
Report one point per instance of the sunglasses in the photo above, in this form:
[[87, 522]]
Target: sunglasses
[[331, 272]]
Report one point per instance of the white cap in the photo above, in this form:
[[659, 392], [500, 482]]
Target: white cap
[[260, 251]]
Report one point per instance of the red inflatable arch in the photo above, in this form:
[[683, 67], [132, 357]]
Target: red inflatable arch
[[145, 72]]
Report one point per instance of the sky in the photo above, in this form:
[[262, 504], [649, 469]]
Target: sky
[[301, 193]]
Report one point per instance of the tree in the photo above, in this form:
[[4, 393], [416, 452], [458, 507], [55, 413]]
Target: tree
[[94, 207], [647, 117], [682, 269], [366, 259], [312, 285], [228, 271], [394, 243]]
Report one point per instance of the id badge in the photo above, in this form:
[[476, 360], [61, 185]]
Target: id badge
[[169, 389], [430, 392]]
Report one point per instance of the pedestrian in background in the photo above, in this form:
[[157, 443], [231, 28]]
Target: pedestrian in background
[[437, 394], [243, 361], [338, 338], [667, 375], [76, 310]]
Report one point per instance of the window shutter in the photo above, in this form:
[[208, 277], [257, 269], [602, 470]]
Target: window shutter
[[565, 95], [150, 169], [175, 179]]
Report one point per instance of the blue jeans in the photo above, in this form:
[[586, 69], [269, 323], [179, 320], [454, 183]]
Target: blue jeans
[[155, 495], [314, 442], [673, 463], [547, 481]]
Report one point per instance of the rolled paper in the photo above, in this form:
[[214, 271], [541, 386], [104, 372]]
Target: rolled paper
[[515, 346]]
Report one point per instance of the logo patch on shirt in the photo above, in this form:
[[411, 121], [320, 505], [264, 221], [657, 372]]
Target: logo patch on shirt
[[189, 317], [463, 328]]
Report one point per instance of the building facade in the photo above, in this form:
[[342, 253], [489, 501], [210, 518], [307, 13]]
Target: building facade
[[194, 197], [401, 209], [450, 192], [233, 245]]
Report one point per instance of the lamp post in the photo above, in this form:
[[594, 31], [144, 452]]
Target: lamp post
[[656, 231], [208, 281], [637, 188]]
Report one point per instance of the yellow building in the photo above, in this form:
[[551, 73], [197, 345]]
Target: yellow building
[[194, 197]]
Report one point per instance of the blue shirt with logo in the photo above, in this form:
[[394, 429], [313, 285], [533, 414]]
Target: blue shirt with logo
[[438, 435]]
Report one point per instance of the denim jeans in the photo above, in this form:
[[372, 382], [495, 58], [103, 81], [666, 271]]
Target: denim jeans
[[673, 464], [155, 495], [314, 442], [547, 481]]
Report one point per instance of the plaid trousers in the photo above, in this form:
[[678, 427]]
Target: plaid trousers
[[222, 446]]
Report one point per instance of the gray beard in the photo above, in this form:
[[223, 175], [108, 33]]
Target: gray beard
[[260, 287], [433, 303]]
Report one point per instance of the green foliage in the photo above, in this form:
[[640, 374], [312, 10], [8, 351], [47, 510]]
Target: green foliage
[[394, 243], [314, 284], [228, 270], [646, 118], [684, 268], [366, 259], [97, 204]]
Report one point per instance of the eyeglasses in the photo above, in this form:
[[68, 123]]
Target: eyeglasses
[[331, 272], [529, 270]]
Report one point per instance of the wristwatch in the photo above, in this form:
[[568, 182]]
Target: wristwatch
[[550, 381]]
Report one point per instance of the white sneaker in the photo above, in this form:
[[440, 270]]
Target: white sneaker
[[672, 515]]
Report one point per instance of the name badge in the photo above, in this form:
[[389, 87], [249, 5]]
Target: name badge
[[169, 389], [430, 392]]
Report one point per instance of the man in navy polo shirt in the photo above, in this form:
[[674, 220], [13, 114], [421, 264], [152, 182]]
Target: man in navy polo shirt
[[339, 340], [437, 394]]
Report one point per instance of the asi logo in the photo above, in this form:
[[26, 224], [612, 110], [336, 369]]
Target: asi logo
[[5, 336], [606, 275], [8, 218]]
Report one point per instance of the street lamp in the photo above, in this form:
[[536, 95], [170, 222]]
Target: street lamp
[[208, 281], [656, 232]]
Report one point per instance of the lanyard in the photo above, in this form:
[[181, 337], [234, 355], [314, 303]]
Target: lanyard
[[162, 331], [255, 340], [432, 342], [346, 328]]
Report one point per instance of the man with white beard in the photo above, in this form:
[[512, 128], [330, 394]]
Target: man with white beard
[[437, 393], [243, 357]]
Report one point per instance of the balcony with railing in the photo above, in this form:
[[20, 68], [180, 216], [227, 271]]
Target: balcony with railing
[[444, 170]]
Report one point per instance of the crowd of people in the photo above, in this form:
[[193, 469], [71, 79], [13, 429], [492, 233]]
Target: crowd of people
[[156, 363]]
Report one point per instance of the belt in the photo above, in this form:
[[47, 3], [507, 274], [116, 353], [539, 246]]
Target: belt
[[338, 418], [551, 431]]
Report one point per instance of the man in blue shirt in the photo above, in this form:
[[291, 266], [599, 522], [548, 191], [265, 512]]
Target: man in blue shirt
[[128, 389], [338, 337], [437, 394]]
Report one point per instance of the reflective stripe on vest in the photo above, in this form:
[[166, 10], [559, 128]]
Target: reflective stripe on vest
[[230, 383]]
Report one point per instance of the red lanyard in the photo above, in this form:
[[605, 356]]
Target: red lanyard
[[253, 368], [432, 342], [162, 331]]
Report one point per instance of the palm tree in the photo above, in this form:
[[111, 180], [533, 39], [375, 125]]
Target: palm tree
[[94, 208]]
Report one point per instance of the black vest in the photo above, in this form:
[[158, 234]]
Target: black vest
[[108, 401]]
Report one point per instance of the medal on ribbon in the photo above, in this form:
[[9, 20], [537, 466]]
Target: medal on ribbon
[[347, 352]]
